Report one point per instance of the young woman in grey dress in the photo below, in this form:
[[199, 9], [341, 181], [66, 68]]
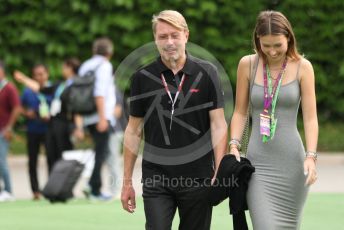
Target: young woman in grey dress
[[273, 82]]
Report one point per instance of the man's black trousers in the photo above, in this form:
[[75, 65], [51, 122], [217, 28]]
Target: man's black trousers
[[161, 199], [34, 141], [101, 142]]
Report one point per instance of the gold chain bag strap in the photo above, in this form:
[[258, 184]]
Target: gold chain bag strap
[[246, 133]]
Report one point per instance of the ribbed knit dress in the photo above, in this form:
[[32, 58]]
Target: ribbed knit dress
[[277, 193]]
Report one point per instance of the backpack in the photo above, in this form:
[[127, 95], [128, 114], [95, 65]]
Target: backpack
[[80, 94]]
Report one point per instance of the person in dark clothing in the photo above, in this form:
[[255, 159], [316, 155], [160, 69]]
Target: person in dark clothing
[[60, 119], [185, 136], [35, 107]]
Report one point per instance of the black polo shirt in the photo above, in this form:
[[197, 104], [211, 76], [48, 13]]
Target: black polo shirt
[[184, 149]]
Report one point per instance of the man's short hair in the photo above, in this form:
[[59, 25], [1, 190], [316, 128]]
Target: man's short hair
[[172, 17], [103, 46], [73, 63]]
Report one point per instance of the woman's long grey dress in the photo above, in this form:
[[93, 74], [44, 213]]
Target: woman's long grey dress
[[277, 193]]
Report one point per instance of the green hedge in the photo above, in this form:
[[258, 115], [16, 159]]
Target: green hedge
[[50, 30]]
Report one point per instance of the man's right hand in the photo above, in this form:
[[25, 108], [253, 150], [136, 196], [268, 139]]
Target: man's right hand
[[102, 125], [128, 198]]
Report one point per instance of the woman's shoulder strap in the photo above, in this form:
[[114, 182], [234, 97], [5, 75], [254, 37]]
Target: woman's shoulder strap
[[253, 68]]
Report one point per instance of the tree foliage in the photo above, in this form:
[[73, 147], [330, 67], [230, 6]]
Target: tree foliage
[[48, 31]]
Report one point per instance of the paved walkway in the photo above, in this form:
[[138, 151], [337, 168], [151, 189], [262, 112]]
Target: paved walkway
[[330, 173]]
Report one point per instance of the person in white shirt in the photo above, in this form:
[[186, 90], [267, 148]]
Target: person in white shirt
[[101, 122]]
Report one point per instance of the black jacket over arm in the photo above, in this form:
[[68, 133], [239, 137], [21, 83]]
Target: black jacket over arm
[[232, 181]]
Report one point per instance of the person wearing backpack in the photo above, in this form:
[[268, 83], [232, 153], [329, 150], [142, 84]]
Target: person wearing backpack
[[101, 121], [60, 117]]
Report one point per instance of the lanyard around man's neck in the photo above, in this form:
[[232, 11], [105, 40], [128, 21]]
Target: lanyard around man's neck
[[173, 100]]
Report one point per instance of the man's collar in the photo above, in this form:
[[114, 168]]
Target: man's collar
[[188, 66], [187, 69], [69, 81], [161, 66], [99, 56]]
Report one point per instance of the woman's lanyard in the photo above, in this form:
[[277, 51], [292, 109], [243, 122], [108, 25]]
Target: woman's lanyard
[[56, 104], [269, 91], [59, 90], [43, 107], [173, 101], [41, 98], [270, 100]]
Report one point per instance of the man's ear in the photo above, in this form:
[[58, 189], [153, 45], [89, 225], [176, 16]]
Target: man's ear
[[187, 35], [154, 35]]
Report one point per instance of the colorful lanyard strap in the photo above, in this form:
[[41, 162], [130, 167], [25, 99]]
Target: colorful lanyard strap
[[271, 96], [275, 97], [59, 90], [173, 100], [269, 91], [41, 98]]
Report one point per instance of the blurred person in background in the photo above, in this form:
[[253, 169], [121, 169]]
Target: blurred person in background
[[60, 118], [35, 110], [114, 159], [9, 111], [101, 122]]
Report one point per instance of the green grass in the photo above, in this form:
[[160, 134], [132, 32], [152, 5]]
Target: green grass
[[322, 211]]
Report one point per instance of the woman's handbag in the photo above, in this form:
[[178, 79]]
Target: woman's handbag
[[247, 130]]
